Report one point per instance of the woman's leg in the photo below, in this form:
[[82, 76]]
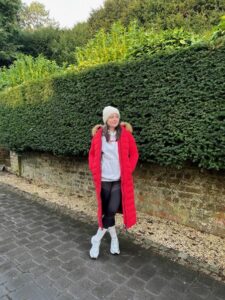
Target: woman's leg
[[114, 246], [106, 187], [109, 217], [111, 198], [96, 239]]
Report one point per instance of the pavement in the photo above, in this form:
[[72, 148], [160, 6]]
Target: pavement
[[45, 255]]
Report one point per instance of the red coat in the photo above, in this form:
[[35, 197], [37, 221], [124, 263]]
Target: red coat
[[128, 156]]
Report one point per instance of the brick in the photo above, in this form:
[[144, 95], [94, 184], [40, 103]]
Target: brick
[[146, 272], [104, 289], [156, 284]]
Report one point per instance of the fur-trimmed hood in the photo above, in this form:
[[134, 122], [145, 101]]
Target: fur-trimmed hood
[[127, 125]]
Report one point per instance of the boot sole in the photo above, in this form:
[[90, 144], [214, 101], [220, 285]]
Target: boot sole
[[114, 253]]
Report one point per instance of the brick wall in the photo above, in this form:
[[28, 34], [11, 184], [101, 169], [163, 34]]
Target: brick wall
[[4, 156], [189, 196]]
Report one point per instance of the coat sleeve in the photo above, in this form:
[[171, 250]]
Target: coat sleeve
[[91, 155], [133, 151]]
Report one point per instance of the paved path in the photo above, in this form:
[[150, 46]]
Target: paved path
[[45, 256]]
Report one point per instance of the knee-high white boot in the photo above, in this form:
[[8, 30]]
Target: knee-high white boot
[[96, 241], [114, 247]]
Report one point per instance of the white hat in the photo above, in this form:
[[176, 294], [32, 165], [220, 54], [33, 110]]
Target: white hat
[[107, 111]]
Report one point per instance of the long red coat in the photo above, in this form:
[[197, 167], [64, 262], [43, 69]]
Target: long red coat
[[128, 156]]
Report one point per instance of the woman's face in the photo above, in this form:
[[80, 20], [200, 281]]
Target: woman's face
[[113, 120]]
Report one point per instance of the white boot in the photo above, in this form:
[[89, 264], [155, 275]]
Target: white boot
[[95, 241], [114, 247]]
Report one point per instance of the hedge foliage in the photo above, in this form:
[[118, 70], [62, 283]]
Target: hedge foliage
[[27, 68], [175, 102], [120, 44], [123, 44]]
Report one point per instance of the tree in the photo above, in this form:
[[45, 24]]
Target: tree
[[35, 16], [193, 15], [9, 29], [54, 43], [69, 39], [104, 17], [39, 41]]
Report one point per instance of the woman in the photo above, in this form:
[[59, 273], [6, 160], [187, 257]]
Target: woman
[[112, 160]]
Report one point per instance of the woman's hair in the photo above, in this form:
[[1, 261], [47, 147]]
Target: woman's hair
[[106, 134]]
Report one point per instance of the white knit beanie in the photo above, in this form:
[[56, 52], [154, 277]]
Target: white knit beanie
[[107, 111]]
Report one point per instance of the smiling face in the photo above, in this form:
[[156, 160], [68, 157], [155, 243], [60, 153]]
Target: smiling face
[[113, 121]]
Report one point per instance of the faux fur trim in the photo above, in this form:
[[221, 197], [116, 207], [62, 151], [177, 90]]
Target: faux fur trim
[[95, 129], [127, 125]]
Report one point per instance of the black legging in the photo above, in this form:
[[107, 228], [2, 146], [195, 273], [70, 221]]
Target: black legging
[[111, 199]]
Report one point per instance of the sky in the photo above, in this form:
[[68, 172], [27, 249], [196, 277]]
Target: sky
[[69, 12]]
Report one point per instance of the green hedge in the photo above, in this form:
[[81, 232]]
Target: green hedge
[[176, 104]]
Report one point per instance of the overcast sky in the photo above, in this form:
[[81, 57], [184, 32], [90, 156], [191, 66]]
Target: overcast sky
[[69, 12]]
